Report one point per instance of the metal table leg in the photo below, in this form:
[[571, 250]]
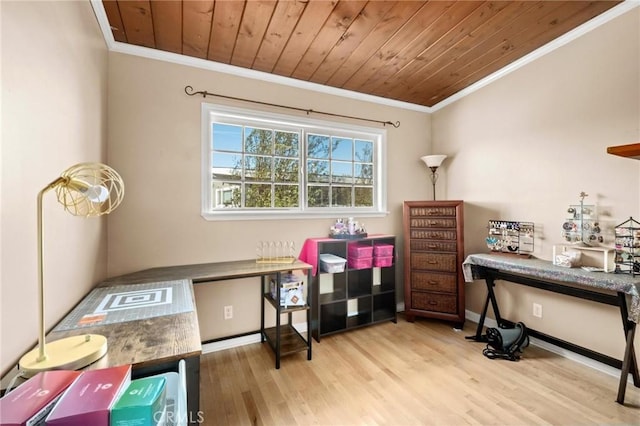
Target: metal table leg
[[626, 363], [491, 297]]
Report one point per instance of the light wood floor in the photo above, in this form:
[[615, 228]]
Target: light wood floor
[[422, 373]]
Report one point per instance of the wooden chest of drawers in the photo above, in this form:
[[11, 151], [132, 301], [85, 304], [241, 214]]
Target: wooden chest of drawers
[[433, 255]]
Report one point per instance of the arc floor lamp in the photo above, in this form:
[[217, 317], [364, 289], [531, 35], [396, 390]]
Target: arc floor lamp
[[89, 190]]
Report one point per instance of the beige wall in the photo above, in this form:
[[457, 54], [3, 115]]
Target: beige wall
[[524, 147], [155, 142], [54, 80]]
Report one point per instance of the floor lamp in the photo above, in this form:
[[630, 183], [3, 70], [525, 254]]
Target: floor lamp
[[89, 190], [433, 162]]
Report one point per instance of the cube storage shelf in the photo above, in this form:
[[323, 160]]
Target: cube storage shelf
[[355, 297]]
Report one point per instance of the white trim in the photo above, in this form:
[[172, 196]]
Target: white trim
[[577, 32], [234, 342], [205, 158], [588, 362], [249, 339], [259, 75], [145, 52], [285, 215], [101, 16], [241, 116]]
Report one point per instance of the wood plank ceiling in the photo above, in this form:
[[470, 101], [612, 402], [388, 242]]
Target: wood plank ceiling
[[420, 52]]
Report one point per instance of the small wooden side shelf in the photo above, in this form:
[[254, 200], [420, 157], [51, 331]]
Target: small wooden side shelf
[[284, 339], [629, 151]]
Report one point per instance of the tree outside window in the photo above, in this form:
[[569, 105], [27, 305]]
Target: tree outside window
[[263, 165]]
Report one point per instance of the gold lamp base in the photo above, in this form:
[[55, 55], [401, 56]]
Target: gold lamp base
[[71, 353]]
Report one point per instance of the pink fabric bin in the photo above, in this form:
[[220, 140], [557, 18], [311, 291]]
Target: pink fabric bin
[[382, 261], [359, 250], [383, 250], [360, 262]]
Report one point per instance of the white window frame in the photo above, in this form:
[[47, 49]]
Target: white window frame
[[212, 111]]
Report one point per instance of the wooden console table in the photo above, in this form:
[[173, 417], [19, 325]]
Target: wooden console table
[[157, 344], [610, 289]]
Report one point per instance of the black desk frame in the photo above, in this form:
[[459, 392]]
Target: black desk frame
[[629, 362], [276, 343]]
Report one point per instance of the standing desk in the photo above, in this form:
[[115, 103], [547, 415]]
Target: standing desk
[[601, 287]]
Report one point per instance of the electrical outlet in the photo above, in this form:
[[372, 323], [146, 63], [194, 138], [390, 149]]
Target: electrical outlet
[[537, 310], [228, 312]]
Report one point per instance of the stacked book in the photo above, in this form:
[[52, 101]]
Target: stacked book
[[89, 399], [142, 404], [103, 397], [30, 403]]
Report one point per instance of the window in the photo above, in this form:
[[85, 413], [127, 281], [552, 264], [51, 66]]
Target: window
[[263, 165]]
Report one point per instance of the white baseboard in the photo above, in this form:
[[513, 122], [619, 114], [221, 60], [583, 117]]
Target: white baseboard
[[235, 342], [599, 366]]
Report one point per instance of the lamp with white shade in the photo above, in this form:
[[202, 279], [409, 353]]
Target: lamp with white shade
[[88, 190], [433, 162]]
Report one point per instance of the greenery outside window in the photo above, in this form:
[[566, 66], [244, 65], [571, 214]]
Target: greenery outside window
[[259, 165]]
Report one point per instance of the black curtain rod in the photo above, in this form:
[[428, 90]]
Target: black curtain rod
[[189, 91]]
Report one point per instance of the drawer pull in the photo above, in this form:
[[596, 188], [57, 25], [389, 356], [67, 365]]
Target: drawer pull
[[432, 246], [432, 262], [431, 282], [433, 303], [433, 222]]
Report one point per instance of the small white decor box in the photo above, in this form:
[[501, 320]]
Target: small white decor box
[[291, 290]]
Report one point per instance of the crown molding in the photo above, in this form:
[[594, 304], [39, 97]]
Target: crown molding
[[145, 52], [577, 32], [258, 75]]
